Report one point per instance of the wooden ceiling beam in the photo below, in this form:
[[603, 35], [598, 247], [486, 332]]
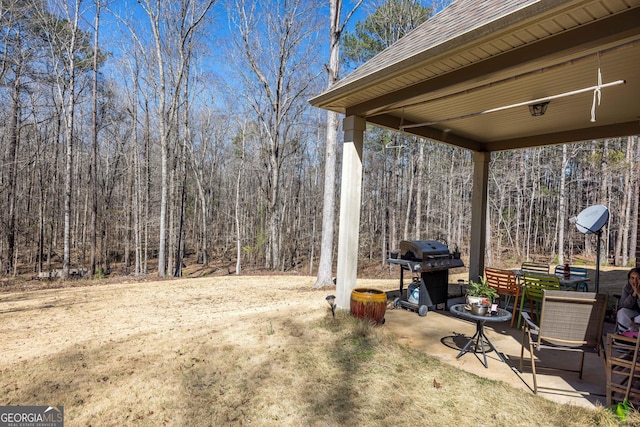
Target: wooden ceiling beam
[[392, 122], [576, 135]]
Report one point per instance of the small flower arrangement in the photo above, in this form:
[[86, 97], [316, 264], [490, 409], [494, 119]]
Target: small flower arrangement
[[482, 290]]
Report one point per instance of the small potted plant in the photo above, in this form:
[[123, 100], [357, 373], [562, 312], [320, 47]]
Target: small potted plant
[[481, 293]]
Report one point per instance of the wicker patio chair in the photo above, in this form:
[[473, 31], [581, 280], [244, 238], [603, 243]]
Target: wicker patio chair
[[505, 283], [569, 321]]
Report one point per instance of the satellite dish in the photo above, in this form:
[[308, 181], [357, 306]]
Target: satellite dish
[[592, 219]]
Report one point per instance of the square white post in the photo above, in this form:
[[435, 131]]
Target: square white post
[[350, 198]]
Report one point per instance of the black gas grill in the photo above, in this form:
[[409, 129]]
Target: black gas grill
[[429, 261]]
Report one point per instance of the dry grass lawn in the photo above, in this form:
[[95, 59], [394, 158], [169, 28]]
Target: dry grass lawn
[[235, 351]]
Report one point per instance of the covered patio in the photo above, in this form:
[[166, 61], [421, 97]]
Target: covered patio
[[490, 76], [446, 334]]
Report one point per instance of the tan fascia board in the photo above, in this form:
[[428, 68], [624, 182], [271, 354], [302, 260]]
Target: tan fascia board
[[518, 18]]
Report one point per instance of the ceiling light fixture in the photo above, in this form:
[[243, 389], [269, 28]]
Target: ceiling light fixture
[[520, 104], [539, 109]]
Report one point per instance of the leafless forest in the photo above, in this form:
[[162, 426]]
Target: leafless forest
[[136, 137]]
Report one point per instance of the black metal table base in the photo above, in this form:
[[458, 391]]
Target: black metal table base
[[480, 338]]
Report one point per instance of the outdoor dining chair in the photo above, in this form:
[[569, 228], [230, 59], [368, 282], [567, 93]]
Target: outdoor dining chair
[[569, 321], [533, 287], [575, 272], [535, 267], [506, 285], [623, 373]]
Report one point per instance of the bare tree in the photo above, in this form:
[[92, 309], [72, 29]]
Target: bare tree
[[562, 197], [325, 266], [64, 53], [198, 157], [625, 210], [605, 193], [169, 95], [14, 59], [635, 188], [94, 152], [275, 65], [56, 130], [237, 207]]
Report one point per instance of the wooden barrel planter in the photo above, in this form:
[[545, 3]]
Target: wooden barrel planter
[[369, 304]]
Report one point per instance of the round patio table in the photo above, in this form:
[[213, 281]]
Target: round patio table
[[479, 337]]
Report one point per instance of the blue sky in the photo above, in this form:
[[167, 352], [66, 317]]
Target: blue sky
[[111, 30], [220, 27]]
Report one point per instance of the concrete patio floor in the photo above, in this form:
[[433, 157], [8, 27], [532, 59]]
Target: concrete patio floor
[[441, 334]]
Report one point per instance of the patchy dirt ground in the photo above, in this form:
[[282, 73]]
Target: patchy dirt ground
[[158, 351], [36, 323]]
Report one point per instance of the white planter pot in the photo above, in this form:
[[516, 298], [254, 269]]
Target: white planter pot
[[478, 300]]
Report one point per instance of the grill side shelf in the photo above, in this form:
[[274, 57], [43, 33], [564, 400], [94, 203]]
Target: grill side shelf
[[429, 265], [413, 266]]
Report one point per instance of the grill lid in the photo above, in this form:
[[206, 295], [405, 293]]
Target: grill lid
[[420, 250]]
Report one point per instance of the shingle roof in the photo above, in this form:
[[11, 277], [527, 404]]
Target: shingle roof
[[458, 19], [476, 56]]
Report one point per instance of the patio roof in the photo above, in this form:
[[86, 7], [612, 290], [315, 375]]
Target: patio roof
[[465, 76]]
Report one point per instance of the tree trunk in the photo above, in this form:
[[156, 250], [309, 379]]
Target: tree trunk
[[172, 208], [237, 208], [147, 185], [418, 223], [93, 175], [562, 197], [12, 181], [325, 265], [633, 239], [622, 241], [180, 243], [605, 191], [408, 217], [163, 128], [69, 133]]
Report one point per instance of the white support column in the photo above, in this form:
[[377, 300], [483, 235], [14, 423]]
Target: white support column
[[350, 198], [479, 214]]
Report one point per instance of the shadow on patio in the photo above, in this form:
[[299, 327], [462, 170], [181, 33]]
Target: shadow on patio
[[442, 335]]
